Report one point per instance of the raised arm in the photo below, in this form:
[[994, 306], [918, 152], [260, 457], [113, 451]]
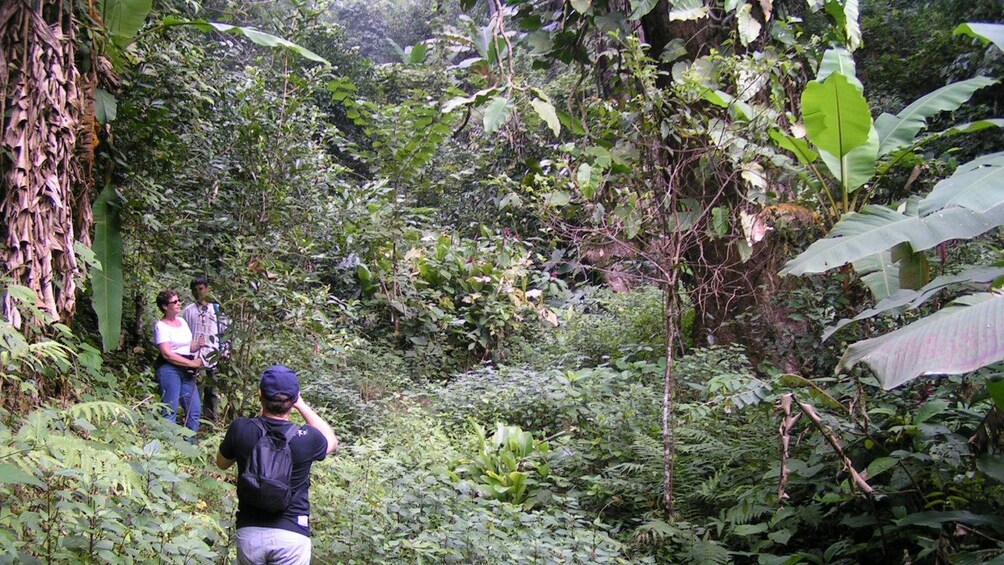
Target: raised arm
[[313, 419]]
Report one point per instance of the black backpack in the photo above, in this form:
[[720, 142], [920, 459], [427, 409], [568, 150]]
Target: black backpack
[[266, 481]]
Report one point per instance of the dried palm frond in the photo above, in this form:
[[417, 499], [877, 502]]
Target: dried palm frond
[[43, 187]]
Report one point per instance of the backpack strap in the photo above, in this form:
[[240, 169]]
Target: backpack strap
[[289, 434], [261, 425]]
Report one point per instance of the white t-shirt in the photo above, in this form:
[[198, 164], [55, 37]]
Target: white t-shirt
[[179, 337]]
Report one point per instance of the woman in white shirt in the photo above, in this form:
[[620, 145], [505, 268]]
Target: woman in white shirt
[[177, 368]]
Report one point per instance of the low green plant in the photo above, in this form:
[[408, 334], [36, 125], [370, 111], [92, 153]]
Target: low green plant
[[391, 498], [508, 466], [598, 325], [40, 357], [458, 298], [103, 482]]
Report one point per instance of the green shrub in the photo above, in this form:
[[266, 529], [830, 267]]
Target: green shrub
[[508, 466], [101, 482], [456, 301], [391, 499], [599, 326]]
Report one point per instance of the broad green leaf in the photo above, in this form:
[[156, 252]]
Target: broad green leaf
[[454, 103], [992, 465], [965, 336], [914, 271], [836, 115], [977, 277], [640, 8], [838, 121], [417, 54], [674, 50], [851, 27], [723, 99], [584, 177], [749, 28], [845, 13], [497, 113], [401, 55], [688, 10], [977, 185], [631, 218], [879, 273], [903, 155], [720, 220], [547, 113], [877, 228], [995, 386], [984, 32], [799, 147], [839, 60], [108, 282], [880, 465], [557, 198], [124, 18], [582, 6], [257, 37], [22, 293], [934, 519], [857, 167], [900, 130], [750, 529], [928, 410], [12, 475], [105, 107]]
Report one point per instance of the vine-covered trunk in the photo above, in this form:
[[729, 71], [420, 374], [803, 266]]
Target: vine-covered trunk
[[44, 184]]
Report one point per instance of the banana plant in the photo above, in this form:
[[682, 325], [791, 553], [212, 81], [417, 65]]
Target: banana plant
[[966, 334]]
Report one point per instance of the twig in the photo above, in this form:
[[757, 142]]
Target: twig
[[834, 442]]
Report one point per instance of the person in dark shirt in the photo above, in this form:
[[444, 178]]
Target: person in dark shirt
[[282, 538]]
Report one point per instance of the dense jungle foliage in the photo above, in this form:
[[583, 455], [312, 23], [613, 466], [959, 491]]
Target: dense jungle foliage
[[574, 281]]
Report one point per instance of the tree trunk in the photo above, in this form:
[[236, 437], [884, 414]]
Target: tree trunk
[[44, 188]]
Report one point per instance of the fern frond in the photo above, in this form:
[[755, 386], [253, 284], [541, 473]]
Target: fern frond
[[69, 456], [703, 551], [98, 411]]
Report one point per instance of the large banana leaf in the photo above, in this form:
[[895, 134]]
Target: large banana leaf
[[976, 185], [838, 121], [122, 19], [256, 36], [107, 281], [879, 273], [912, 299], [877, 228], [857, 167], [984, 32], [906, 154], [839, 60], [901, 130], [962, 337]]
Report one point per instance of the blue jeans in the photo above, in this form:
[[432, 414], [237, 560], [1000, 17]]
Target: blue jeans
[[259, 546], [177, 387]]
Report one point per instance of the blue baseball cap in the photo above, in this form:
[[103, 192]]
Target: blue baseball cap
[[279, 379]]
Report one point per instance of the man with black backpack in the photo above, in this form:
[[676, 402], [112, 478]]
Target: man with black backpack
[[273, 458]]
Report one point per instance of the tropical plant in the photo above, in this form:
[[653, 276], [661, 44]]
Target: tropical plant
[[104, 482], [510, 466], [886, 244]]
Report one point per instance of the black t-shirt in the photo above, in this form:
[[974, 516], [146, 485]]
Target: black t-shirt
[[307, 446]]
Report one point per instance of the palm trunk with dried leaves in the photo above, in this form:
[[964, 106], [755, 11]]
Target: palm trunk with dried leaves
[[46, 152]]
